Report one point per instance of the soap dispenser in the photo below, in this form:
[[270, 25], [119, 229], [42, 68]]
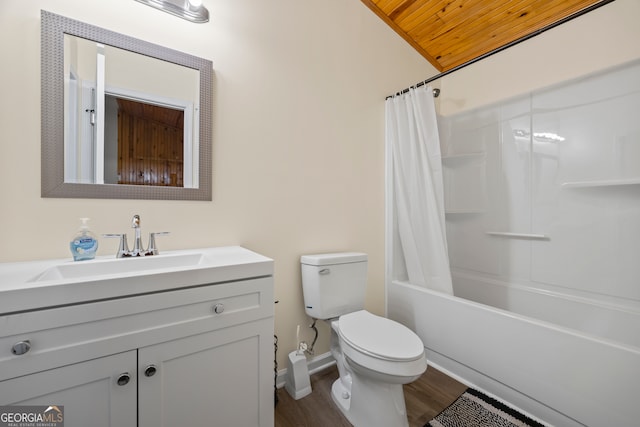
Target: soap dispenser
[[84, 244]]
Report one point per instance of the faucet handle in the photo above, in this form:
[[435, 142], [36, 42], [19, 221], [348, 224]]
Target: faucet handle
[[153, 250], [123, 247]]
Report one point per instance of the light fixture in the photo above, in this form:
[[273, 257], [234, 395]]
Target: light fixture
[[191, 10]]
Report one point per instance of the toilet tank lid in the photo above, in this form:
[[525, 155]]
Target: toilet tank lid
[[333, 258]]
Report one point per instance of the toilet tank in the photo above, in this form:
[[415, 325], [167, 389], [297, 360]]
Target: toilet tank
[[333, 284]]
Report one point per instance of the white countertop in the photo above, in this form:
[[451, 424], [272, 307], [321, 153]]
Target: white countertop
[[35, 285]]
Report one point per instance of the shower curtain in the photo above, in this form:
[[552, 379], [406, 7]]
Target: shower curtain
[[412, 134]]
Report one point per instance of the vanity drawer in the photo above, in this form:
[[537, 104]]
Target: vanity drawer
[[60, 336]]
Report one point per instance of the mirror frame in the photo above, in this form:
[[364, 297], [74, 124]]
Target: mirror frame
[[53, 28]]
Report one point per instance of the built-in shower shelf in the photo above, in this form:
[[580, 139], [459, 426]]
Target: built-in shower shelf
[[465, 156], [462, 211], [601, 183], [510, 235]]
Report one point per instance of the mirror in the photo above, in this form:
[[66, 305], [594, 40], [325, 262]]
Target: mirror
[[121, 117]]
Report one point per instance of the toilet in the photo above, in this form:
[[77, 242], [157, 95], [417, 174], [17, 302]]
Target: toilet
[[375, 355]]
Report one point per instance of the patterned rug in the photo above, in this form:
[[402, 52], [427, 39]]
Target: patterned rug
[[475, 409]]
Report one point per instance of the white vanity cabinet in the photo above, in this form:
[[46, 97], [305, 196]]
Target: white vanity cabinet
[[210, 379], [88, 390], [197, 355]]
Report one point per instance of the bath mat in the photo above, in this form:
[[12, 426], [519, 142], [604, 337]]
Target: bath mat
[[475, 409]]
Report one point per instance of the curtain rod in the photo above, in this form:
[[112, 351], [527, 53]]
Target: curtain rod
[[436, 92]]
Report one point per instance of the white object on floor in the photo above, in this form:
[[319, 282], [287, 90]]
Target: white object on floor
[[298, 384]]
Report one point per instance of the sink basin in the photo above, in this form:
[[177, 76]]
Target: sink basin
[[34, 285], [92, 269]]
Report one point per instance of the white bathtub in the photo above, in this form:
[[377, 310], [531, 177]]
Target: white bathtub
[[581, 367]]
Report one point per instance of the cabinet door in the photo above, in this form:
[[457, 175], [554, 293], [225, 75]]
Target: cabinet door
[[89, 391], [221, 378]]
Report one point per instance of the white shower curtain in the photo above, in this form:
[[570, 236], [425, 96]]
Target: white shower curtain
[[412, 134]]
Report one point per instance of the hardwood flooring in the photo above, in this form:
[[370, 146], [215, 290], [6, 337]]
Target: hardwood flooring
[[425, 398]]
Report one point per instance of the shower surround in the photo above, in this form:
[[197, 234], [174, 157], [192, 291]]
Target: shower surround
[[542, 205]]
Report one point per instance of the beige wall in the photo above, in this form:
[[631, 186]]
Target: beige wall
[[298, 139], [298, 126], [603, 38]]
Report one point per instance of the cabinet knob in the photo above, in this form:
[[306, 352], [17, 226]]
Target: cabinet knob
[[21, 347], [150, 370], [123, 379], [218, 308]]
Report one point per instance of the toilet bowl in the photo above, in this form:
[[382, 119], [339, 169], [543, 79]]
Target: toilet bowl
[[375, 357]]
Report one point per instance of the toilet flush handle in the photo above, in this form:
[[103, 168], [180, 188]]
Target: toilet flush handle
[[325, 271]]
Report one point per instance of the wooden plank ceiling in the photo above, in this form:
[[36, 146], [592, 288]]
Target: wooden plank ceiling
[[449, 33], [155, 113]]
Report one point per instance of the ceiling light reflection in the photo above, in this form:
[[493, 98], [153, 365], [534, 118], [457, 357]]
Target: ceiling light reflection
[[539, 136]]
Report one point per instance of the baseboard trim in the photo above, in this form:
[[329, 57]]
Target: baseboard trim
[[314, 364]]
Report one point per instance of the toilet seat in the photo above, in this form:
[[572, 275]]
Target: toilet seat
[[380, 337], [381, 344]]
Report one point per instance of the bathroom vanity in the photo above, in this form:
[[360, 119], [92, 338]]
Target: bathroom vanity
[[182, 338]]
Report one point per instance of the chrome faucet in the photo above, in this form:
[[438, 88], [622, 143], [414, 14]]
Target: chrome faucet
[[123, 248], [138, 249], [153, 249], [137, 243]]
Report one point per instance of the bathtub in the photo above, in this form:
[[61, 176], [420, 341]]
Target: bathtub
[[579, 366]]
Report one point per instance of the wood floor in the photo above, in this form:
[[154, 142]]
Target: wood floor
[[425, 398]]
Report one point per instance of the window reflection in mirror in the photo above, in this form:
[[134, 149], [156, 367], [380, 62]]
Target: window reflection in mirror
[[130, 119]]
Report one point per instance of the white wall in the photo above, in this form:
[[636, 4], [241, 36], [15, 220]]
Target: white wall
[[297, 145]]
